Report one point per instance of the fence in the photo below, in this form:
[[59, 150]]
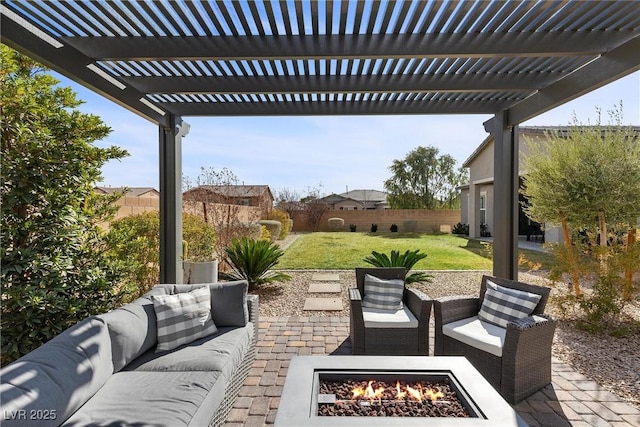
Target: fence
[[407, 220]]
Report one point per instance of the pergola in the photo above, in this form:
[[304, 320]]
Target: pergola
[[164, 60]]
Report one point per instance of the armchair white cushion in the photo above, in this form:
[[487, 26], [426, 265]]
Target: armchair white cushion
[[377, 318], [482, 335]]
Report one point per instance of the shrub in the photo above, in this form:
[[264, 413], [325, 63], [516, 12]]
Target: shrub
[[264, 233], [460, 228], [273, 226], [336, 223], [406, 260], [285, 222], [251, 260], [135, 240], [200, 237], [393, 228], [352, 227], [374, 228]]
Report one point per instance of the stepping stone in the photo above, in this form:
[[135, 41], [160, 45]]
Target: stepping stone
[[323, 304], [324, 288], [325, 277]]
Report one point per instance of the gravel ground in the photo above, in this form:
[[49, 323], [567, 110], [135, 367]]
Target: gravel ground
[[612, 362]]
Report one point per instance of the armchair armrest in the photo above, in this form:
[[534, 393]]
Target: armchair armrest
[[450, 309], [419, 304], [528, 342], [356, 321]]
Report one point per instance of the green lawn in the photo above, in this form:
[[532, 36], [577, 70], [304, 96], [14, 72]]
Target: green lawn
[[344, 251]]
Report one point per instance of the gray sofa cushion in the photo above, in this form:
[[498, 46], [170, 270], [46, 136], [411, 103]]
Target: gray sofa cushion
[[228, 301], [60, 376], [133, 330], [223, 352], [144, 398]]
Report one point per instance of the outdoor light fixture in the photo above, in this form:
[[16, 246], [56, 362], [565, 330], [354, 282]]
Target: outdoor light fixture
[[152, 106], [99, 71], [31, 28]]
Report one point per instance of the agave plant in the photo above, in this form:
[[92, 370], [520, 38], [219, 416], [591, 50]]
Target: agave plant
[[406, 260], [252, 260]]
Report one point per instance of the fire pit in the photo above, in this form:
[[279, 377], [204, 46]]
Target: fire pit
[[390, 390]]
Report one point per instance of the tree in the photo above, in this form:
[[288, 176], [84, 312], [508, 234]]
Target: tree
[[424, 180], [288, 200], [587, 180], [55, 266], [314, 206]]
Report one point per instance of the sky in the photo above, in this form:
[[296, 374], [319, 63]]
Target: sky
[[325, 153]]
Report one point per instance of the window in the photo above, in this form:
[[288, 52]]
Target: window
[[483, 208], [245, 202]]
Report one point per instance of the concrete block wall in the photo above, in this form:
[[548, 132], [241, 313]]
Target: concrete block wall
[[128, 205], [416, 220], [218, 212]]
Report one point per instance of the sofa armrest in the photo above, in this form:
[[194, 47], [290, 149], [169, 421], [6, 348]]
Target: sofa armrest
[[252, 304]]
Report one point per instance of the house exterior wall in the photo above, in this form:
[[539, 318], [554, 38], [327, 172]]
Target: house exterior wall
[[481, 173], [348, 205], [418, 220]]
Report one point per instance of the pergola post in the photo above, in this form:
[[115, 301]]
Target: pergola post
[[170, 144], [505, 204]]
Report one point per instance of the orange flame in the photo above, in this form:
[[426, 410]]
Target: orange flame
[[417, 393], [367, 393]]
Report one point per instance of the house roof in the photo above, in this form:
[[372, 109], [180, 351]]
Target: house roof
[[526, 130], [226, 58], [370, 196], [131, 191], [236, 190]]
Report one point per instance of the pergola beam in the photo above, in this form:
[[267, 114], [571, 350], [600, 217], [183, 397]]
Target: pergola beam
[[341, 83], [611, 66], [301, 108], [71, 63], [476, 45]]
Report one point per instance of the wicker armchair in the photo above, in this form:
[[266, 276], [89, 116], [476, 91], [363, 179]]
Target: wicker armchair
[[525, 364], [395, 340]]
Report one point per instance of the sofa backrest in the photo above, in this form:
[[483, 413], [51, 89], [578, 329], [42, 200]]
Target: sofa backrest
[[228, 300], [132, 328], [55, 379]]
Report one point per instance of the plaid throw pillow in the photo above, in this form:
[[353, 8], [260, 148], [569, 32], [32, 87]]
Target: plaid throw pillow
[[183, 317], [502, 305], [382, 294]]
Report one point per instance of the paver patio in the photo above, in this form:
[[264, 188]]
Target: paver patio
[[571, 400]]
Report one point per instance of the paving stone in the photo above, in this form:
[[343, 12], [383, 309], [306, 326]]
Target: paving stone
[[571, 400], [324, 288], [603, 411], [325, 277], [323, 304], [596, 421], [551, 419]]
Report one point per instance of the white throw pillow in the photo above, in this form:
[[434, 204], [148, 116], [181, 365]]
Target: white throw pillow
[[383, 294], [183, 318], [502, 305]]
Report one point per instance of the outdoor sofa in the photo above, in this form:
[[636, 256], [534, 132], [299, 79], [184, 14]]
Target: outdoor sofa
[[106, 369]]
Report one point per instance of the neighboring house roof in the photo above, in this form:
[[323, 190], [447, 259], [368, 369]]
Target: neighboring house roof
[[371, 196], [526, 130], [237, 190], [362, 197], [131, 191]]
